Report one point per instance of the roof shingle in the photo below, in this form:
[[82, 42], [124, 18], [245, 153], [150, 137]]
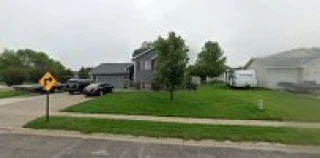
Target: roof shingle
[[111, 68]]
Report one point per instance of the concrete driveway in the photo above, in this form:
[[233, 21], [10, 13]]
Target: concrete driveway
[[15, 112]]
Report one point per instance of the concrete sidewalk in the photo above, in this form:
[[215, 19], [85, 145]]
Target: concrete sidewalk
[[195, 120]]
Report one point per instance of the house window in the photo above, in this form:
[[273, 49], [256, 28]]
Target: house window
[[147, 65]]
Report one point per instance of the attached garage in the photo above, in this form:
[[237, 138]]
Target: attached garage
[[115, 74], [294, 66]]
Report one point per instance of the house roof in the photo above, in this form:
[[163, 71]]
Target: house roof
[[141, 54], [111, 68], [290, 59]]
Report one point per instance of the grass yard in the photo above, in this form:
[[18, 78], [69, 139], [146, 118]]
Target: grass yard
[[9, 94], [210, 101], [183, 131]]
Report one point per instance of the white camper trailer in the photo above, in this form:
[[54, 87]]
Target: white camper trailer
[[241, 78]]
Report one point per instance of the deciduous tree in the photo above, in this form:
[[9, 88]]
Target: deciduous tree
[[210, 61], [171, 61]]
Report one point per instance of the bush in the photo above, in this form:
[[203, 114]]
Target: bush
[[156, 86], [14, 76]]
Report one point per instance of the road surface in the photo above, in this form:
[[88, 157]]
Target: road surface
[[40, 146]]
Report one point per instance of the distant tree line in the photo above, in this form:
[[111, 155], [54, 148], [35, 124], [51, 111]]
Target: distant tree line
[[84, 72], [26, 65]]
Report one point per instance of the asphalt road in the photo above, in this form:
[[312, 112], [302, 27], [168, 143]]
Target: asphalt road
[[35, 146]]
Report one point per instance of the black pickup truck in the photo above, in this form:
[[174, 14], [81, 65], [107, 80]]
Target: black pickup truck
[[77, 85]]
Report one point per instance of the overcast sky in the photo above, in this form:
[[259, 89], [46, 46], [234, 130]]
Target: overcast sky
[[89, 32]]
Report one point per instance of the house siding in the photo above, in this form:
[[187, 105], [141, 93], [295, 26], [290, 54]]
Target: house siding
[[312, 71], [261, 73], [141, 75], [116, 80]]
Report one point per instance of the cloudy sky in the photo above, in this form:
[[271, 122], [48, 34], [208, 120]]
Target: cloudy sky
[[88, 32]]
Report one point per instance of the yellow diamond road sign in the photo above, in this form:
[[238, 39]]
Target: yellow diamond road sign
[[47, 81]]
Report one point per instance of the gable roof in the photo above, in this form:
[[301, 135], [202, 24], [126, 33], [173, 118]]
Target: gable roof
[[111, 68], [301, 52], [141, 54], [294, 58]]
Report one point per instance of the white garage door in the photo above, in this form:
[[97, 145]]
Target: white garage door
[[281, 75]]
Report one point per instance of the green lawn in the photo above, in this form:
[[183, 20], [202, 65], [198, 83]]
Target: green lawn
[[9, 94], [183, 131], [210, 101]]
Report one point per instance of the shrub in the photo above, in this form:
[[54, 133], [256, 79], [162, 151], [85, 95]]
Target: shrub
[[156, 86], [14, 76]]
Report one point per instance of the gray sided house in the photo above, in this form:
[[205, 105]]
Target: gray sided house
[[144, 68], [115, 74], [294, 66]]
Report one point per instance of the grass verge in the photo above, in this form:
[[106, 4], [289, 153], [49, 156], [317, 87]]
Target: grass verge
[[183, 131], [9, 94], [209, 101]]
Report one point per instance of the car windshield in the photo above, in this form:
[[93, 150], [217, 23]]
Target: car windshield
[[93, 85]]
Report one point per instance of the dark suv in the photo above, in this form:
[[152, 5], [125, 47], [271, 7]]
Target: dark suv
[[77, 85]]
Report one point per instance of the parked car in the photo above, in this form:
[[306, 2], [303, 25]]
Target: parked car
[[242, 78], [77, 85], [98, 89]]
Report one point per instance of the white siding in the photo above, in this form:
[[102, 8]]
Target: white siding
[[312, 71], [261, 73]]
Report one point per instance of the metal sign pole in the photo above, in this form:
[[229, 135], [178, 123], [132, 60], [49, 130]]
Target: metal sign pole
[[47, 107], [47, 82]]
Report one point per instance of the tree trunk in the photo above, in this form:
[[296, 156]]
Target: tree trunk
[[171, 94]]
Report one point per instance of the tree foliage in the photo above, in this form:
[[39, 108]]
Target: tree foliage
[[14, 75], [84, 72], [33, 64], [210, 62], [171, 61]]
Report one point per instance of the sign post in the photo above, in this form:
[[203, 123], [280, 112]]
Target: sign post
[[47, 82]]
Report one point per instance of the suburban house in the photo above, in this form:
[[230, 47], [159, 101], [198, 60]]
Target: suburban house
[[116, 74], [295, 66], [144, 68]]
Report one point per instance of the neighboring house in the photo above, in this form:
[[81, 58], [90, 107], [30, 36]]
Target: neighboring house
[[144, 68], [115, 74], [296, 66]]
